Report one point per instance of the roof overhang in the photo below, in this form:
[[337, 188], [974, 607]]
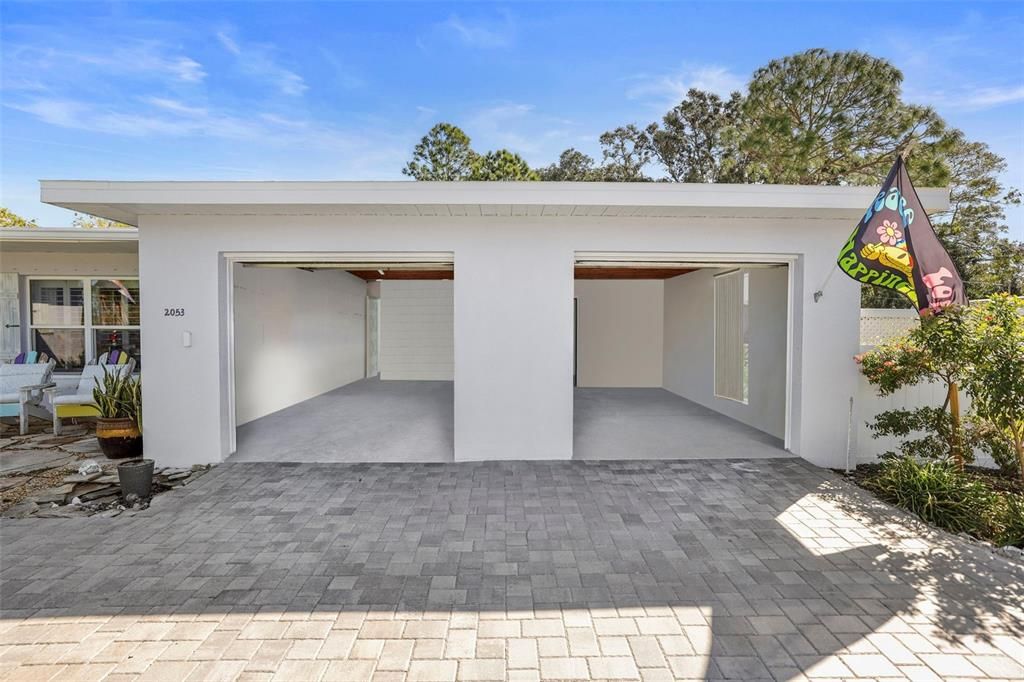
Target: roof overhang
[[51, 239], [126, 201]]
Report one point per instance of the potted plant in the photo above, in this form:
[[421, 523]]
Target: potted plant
[[119, 401]]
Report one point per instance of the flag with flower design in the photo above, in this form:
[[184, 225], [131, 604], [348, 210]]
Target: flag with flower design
[[895, 247]]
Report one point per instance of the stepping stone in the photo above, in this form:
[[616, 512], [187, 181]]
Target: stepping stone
[[22, 510], [29, 461], [12, 482], [79, 478], [87, 446], [111, 491], [57, 494]]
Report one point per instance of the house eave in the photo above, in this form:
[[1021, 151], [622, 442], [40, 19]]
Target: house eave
[[125, 201]]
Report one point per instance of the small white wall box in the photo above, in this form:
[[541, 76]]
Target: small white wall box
[[186, 339]]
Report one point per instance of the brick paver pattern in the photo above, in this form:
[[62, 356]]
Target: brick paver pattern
[[766, 569]]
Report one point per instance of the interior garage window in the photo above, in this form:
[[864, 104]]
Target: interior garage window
[[732, 345], [75, 321]]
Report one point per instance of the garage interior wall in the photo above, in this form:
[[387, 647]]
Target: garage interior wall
[[297, 334], [620, 327], [689, 346], [417, 330]]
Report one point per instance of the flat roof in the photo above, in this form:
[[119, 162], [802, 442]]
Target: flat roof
[[77, 239], [125, 201]]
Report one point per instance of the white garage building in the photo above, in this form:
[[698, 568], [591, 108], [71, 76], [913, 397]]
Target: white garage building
[[402, 321]]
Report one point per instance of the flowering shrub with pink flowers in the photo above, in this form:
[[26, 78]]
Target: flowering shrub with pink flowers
[[980, 347]]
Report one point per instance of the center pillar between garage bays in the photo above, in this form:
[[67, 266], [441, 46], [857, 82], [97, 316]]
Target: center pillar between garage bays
[[513, 350]]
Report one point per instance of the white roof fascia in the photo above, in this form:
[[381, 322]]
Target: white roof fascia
[[126, 200]]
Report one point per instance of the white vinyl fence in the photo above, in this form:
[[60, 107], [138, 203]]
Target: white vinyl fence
[[878, 325]]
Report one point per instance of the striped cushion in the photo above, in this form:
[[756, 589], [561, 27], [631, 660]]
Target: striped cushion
[[30, 358]]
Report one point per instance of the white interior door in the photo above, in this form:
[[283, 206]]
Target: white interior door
[[10, 317]]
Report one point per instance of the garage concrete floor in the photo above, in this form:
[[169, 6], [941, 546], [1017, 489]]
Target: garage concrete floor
[[365, 421], [413, 421], [652, 423]]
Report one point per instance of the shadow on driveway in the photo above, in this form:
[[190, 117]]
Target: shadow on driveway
[[742, 569]]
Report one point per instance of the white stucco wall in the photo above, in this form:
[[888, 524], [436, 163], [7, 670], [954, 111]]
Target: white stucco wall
[[690, 346], [297, 334], [513, 316], [619, 332], [417, 330]]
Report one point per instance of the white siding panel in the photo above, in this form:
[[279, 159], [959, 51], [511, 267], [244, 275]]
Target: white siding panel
[[417, 330]]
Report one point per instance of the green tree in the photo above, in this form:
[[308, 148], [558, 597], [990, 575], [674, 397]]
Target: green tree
[[573, 166], [698, 139], [996, 377], [939, 349], [88, 222], [9, 218], [444, 153], [821, 117], [625, 153], [973, 229], [502, 165]]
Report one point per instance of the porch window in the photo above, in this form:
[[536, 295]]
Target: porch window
[[75, 321], [732, 345]]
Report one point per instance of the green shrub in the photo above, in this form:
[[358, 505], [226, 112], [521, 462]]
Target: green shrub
[[933, 427], [989, 439], [936, 491], [1011, 520]]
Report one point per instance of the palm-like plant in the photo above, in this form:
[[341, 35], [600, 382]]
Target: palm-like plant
[[119, 396]]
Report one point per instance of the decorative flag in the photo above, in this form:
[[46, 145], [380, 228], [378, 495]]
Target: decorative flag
[[894, 246]]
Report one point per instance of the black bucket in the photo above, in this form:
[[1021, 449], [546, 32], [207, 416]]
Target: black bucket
[[136, 477]]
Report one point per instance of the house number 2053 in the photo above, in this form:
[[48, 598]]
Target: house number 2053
[[174, 312]]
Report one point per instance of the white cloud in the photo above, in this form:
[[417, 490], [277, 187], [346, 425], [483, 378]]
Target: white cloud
[[228, 42], [480, 33], [175, 106], [671, 87], [141, 58], [257, 60], [520, 128], [990, 97], [968, 99], [158, 116], [187, 70]]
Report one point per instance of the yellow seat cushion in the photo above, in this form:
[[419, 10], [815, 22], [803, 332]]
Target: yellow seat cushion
[[76, 411]]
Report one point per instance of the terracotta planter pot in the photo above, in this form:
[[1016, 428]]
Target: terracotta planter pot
[[119, 438]]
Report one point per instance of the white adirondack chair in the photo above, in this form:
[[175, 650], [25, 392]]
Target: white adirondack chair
[[80, 403], [21, 390]]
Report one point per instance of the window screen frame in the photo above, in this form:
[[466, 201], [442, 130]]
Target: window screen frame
[[740, 392], [88, 328]]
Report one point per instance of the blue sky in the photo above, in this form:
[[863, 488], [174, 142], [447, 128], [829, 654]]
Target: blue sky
[[338, 90]]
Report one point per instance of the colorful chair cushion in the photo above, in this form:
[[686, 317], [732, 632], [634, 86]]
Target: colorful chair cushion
[[117, 357], [30, 358]]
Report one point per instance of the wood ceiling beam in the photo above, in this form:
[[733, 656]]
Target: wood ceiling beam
[[585, 272], [371, 275]]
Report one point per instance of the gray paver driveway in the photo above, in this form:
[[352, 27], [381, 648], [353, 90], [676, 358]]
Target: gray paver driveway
[[572, 570]]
